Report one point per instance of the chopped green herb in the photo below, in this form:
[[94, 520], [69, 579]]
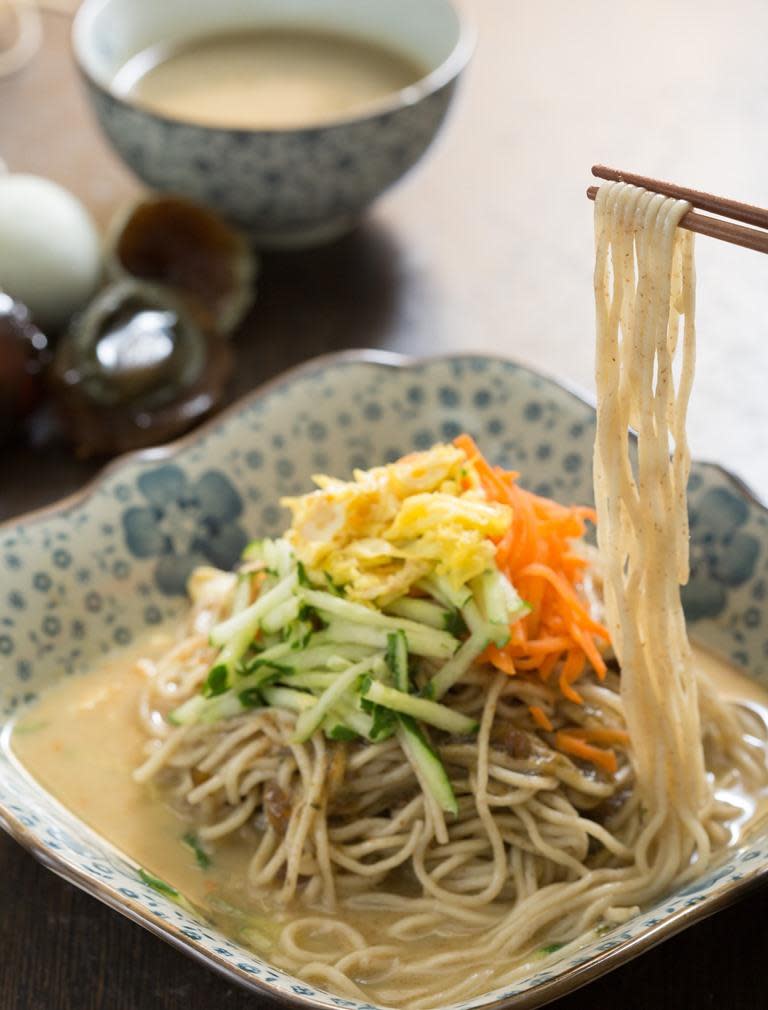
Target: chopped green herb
[[603, 928], [201, 856], [170, 892], [550, 948], [29, 727], [157, 884]]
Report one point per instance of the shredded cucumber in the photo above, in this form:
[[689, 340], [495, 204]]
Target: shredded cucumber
[[516, 605], [277, 653], [422, 611], [345, 719], [336, 663], [287, 697], [332, 607], [312, 680], [422, 641], [275, 555], [452, 671], [318, 655], [222, 706], [242, 627], [443, 590], [281, 616], [397, 659], [311, 719], [473, 618], [242, 594], [492, 603], [422, 709], [430, 768]]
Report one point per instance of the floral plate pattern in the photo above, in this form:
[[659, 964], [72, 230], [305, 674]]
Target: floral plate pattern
[[97, 570]]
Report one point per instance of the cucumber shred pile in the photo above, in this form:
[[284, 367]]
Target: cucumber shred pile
[[346, 668]]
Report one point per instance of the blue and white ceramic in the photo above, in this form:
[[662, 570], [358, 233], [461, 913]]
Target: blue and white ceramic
[[103, 567], [285, 187]]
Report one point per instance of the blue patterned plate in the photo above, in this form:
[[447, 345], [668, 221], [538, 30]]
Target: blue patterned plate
[[98, 569]]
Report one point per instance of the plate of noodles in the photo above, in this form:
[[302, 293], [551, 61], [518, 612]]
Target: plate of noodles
[[343, 696]]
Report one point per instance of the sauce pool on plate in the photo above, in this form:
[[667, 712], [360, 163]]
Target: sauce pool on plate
[[82, 741], [279, 78]]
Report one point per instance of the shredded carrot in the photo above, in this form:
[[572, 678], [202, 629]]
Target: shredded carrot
[[526, 663], [537, 555], [517, 633], [572, 669], [555, 643], [540, 717], [547, 665], [590, 649], [601, 734], [561, 585], [568, 743], [501, 660]]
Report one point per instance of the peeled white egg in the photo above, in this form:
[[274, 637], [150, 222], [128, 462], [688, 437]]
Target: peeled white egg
[[50, 253]]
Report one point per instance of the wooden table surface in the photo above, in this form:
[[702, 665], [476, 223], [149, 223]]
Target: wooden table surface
[[487, 246]]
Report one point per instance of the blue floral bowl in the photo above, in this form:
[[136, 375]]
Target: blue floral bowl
[[289, 187], [97, 570]]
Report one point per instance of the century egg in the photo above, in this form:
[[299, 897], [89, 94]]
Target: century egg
[[141, 364], [23, 356]]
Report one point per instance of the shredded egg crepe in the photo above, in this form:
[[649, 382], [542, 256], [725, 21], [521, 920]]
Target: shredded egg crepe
[[378, 534]]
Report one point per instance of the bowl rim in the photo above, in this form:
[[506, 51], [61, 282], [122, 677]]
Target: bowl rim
[[552, 988], [432, 82]]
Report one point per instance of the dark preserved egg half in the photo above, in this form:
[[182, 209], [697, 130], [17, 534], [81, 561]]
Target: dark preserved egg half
[[24, 355], [177, 243], [139, 365]]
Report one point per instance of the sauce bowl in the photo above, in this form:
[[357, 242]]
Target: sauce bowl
[[285, 187]]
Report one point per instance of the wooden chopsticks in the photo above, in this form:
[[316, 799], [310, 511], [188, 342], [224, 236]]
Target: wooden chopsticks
[[703, 224]]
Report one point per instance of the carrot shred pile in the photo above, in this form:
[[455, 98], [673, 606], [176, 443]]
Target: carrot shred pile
[[537, 556]]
